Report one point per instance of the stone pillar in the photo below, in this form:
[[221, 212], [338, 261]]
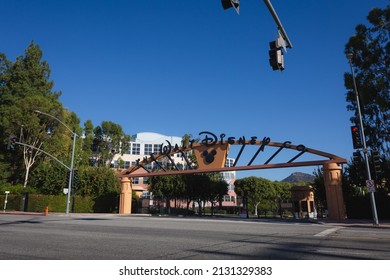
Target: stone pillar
[[126, 196], [334, 192]]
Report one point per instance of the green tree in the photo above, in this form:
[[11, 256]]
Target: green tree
[[26, 86], [255, 190], [186, 141], [282, 194], [167, 187], [97, 181], [319, 189], [200, 188], [87, 144], [109, 139], [370, 47], [218, 188], [49, 178]]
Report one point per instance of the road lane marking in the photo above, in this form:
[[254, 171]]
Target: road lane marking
[[327, 231]]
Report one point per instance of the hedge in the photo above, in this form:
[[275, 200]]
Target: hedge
[[359, 207], [57, 203]]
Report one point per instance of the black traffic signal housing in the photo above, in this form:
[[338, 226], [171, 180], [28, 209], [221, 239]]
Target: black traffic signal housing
[[75, 178], [67, 179], [227, 4], [356, 137], [11, 143], [376, 162], [357, 158], [276, 59]]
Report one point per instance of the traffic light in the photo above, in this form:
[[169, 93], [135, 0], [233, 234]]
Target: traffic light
[[75, 178], [357, 158], [276, 59], [376, 162], [356, 137], [11, 142], [227, 4], [67, 178]]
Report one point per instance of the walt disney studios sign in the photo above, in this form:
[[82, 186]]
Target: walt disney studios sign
[[211, 150]]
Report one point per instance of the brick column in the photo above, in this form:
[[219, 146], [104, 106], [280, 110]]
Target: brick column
[[125, 196], [333, 189]]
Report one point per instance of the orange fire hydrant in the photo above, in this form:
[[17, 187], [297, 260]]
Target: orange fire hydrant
[[47, 210]]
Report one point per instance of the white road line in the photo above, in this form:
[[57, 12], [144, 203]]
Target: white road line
[[327, 231]]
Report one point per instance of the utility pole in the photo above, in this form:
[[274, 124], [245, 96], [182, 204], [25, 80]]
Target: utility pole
[[74, 134], [276, 58], [278, 23], [369, 181]]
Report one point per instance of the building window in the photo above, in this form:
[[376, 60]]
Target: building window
[[148, 149], [228, 198], [136, 149], [146, 195], [127, 164], [156, 148], [229, 162], [145, 180], [136, 180]]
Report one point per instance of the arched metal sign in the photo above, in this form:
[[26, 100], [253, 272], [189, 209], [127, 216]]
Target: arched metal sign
[[211, 153]]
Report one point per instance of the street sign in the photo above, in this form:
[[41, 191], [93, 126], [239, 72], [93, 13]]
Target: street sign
[[370, 184]]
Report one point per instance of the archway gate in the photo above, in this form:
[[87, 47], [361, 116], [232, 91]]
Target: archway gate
[[212, 151]]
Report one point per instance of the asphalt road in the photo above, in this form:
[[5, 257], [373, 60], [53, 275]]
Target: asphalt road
[[105, 237]]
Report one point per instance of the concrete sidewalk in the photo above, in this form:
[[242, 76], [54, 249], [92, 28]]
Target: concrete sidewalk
[[22, 213], [354, 223]]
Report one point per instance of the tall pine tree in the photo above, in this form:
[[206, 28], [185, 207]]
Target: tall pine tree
[[25, 86]]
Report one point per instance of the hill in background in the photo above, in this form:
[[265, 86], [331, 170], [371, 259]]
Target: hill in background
[[297, 177]]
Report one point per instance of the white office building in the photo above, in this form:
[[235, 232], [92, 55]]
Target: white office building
[[145, 143]]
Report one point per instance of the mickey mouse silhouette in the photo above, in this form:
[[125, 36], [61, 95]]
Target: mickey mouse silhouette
[[209, 157]]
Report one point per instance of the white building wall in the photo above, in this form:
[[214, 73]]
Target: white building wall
[[143, 145]]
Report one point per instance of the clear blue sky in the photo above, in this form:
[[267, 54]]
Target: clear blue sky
[[177, 67]]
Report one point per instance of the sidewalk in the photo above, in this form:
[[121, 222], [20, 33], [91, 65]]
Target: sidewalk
[[354, 223], [22, 213]]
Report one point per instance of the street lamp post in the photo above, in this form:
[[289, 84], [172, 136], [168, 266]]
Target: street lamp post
[[72, 157], [371, 193]]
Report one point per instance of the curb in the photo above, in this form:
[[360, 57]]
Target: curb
[[22, 213]]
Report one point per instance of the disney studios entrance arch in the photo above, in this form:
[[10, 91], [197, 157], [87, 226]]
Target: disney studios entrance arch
[[211, 152]]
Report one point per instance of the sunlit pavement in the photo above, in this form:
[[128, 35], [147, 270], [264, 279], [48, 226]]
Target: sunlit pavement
[[341, 223]]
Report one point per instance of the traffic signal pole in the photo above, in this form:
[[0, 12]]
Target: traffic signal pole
[[71, 174], [278, 22], [74, 134], [371, 193], [276, 58]]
